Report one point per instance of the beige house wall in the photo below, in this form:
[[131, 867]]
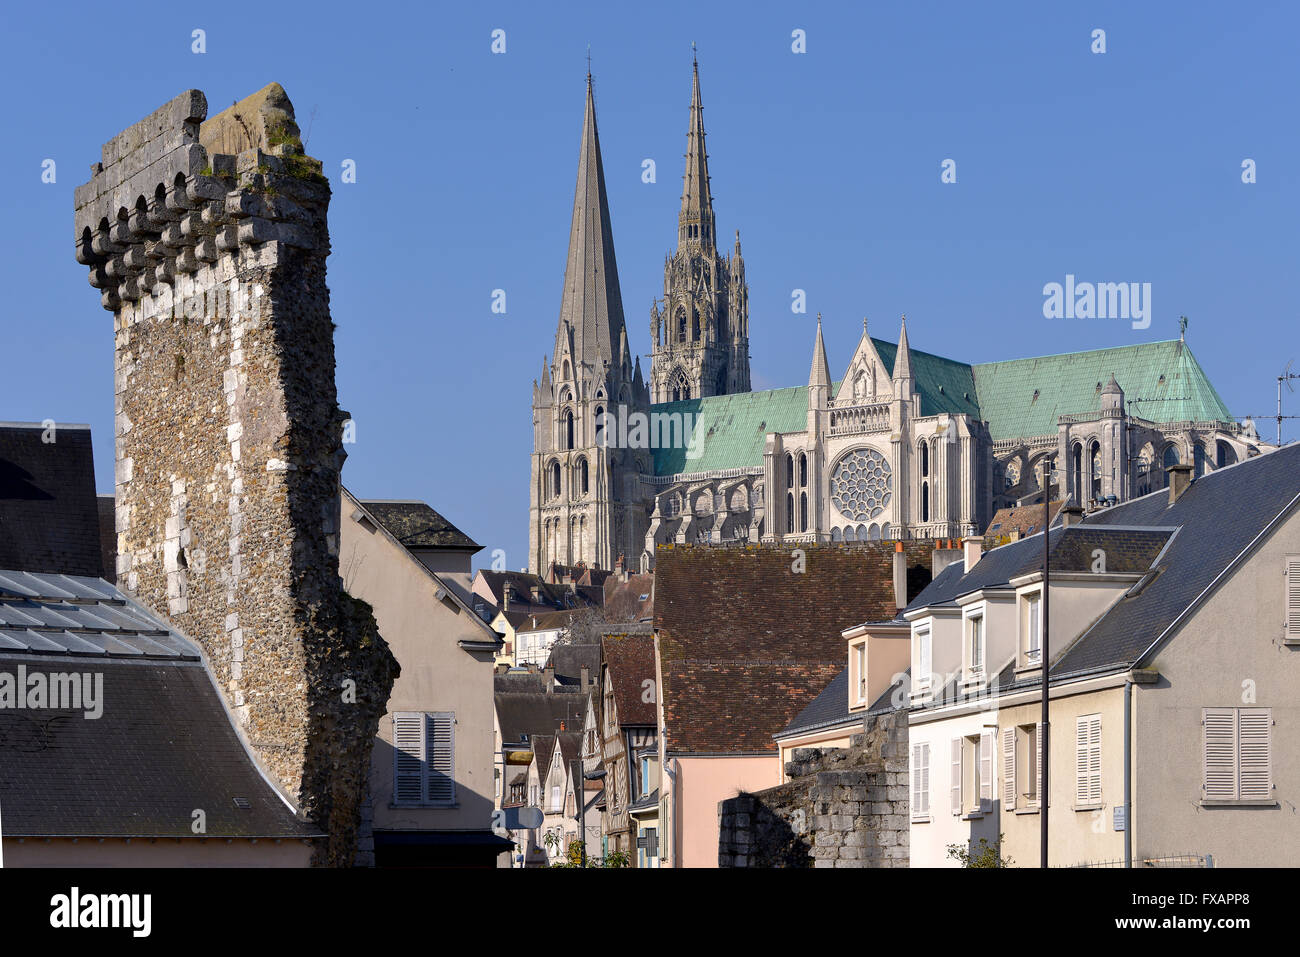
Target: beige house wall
[[437, 675], [1231, 654], [703, 782]]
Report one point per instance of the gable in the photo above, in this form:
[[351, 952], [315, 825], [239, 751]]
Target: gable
[[866, 371]]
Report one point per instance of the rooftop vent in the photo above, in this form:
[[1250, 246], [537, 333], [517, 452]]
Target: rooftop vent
[[243, 804]]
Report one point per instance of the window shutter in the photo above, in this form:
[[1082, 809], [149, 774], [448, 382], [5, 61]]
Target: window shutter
[[920, 779], [923, 656], [1009, 769], [1038, 781], [408, 757], [1293, 596], [1219, 752], [925, 778], [440, 756], [1094, 759], [1254, 749], [1081, 761], [986, 771], [955, 775]]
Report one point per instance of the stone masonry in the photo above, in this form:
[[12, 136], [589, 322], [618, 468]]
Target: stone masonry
[[207, 240], [841, 808]]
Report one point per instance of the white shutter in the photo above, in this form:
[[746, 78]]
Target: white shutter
[[1293, 597], [955, 775], [1038, 780], [440, 757], [408, 757], [1009, 769], [1094, 759], [1082, 761], [986, 771], [1254, 747], [923, 659], [921, 780], [925, 779], [1219, 758]]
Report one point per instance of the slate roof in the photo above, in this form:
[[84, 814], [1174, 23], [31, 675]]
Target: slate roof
[[545, 621], [163, 745], [1218, 516], [534, 713], [567, 661], [746, 643], [107, 537], [553, 596], [417, 525], [631, 661], [1164, 374], [49, 516]]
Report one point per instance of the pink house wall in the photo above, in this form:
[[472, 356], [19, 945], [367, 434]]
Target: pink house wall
[[701, 784]]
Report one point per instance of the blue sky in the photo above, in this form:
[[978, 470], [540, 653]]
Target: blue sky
[[1122, 166]]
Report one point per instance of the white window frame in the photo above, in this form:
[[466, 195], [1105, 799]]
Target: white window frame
[[924, 657], [1087, 762], [1291, 599], [424, 773], [921, 782], [1032, 621], [976, 671], [860, 662]]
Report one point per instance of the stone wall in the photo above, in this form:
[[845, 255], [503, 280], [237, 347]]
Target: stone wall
[[841, 808], [207, 240]]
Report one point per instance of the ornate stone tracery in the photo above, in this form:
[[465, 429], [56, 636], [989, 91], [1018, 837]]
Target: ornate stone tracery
[[862, 484]]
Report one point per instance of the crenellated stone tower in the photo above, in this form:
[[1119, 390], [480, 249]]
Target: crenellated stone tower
[[207, 241], [700, 337], [586, 496]]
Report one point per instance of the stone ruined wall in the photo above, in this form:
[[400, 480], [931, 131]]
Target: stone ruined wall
[[208, 242], [842, 808]]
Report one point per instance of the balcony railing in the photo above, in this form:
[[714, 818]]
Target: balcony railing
[[860, 418]]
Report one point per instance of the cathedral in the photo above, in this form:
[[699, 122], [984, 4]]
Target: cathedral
[[904, 444]]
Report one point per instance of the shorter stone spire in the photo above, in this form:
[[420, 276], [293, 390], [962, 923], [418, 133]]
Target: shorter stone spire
[[820, 376], [903, 360]]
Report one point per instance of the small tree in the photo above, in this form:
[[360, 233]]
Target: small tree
[[982, 854]]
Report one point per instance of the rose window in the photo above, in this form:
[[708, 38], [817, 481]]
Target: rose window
[[861, 485]]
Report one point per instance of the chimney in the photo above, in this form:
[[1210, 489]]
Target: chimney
[[505, 597], [1180, 480], [585, 672], [549, 674], [972, 548], [900, 576], [942, 557], [1071, 514]]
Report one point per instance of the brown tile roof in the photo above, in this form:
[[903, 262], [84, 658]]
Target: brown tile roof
[[1025, 519], [624, 602], [631, 661], [546, 621], [747, 642]]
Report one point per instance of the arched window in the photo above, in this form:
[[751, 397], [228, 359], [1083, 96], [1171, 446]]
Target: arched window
[[555, 479], [924, 451], [568, 429], [925, 501], [884, 530], [681, 324], [803, 470], [1198, 459], [1171, 456], [789, 513], [582, 475], [1095, 470], [695, 326], [862, 533], [836, 534], [600, 427], [789, 471], [873, 532], [1224, 454], [803, 511], [565, 370]]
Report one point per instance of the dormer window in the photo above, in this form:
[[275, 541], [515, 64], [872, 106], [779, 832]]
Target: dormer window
[[921, 679], [1032, 630], [860, 660], [975, 646]]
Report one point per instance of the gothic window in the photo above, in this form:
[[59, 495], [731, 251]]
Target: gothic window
[[555, 479], [1224, 455], [789, 513], [873, 532], [925, 501], [1171, 455], [850, 535], [862, 484], [803, 471], [722, 327], [1198, 459], [1013, 474], [1095, 469], [695, 326], [924, 451], [884, 529], [568, 429], [1076, 457], [681, 324], [803, 511], [1144, 477], [600, 426], [566, 369], [836, 534], [789, 471], [582, 475]]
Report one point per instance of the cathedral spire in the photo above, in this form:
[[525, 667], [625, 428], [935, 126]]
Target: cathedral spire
[[903, 360], [820, 376], [695, 222], [592, 304]]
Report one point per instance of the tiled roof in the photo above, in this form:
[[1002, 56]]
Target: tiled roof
[[49, 517], [631, 662], [1025, 519], [631, 600], [163, 745], [546, 621], [1164, 375], [828, 708], [417, 525], [1218, 517], [567, 660], [534, 713], [746, 642]]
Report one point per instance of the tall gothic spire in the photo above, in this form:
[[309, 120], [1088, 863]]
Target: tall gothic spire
[[903, 359], [695, 222], [821, 371], [592, 304]]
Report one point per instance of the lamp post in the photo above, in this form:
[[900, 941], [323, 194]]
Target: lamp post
[[1042, 667]]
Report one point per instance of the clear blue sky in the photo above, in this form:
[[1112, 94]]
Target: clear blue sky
[[1122, 166]]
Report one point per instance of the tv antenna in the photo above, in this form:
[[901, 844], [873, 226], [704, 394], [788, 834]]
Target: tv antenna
[[1286, 376]]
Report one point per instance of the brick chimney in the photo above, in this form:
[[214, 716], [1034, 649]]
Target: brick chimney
[[1180, 480], [585, 673], [900, 576], [1071, 514]]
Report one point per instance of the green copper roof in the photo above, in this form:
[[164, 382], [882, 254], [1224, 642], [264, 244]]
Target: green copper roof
[[945, 385], [1024, 397], [732, 429]]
